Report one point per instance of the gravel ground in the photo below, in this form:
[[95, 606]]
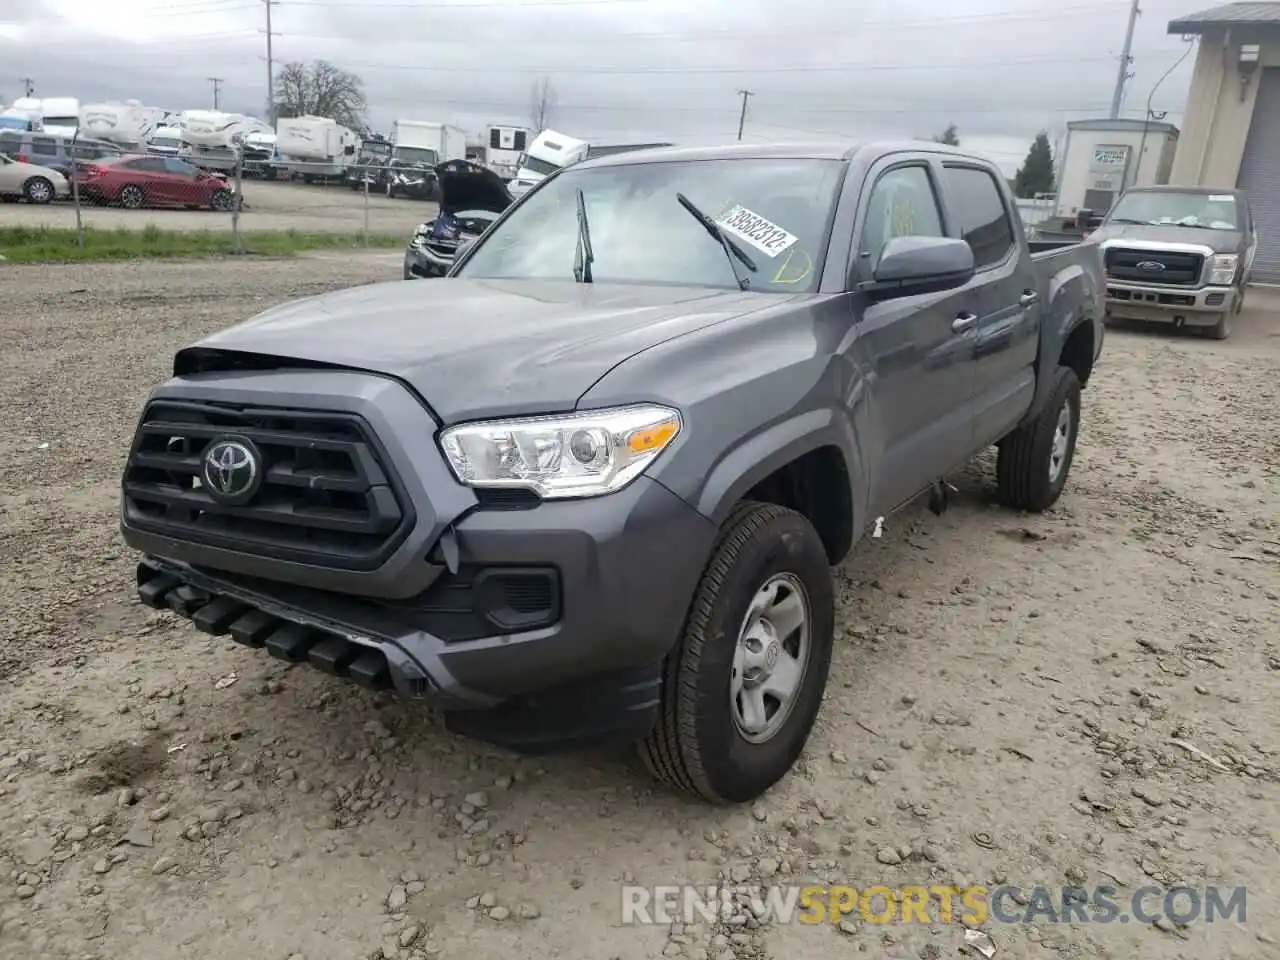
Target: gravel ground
[[268, 206], [1008, 700]]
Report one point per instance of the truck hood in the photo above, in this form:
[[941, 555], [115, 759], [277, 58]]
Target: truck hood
[[479, 348], [1220, 241]]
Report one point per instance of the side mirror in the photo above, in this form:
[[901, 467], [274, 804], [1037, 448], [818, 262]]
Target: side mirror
[[913, 265]]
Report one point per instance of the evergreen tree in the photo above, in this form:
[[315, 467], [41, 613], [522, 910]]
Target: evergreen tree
[[1036, 173], [948, 136]]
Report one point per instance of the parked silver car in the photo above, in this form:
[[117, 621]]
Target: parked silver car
[[31, 182]]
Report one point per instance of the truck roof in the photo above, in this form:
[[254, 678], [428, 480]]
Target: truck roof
[[806, 150]]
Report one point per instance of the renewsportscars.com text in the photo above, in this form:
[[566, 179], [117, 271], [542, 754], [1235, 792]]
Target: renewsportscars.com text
[[816, 904]]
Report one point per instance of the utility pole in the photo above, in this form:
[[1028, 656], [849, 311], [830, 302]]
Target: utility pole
[[742, 116], [29, 85], [271, 71], [1126, 58], [217, 87]]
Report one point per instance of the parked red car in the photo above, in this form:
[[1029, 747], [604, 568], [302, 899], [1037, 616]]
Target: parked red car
[[144, 181]]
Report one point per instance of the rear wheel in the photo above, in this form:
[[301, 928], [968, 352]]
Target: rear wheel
[[132, 197], [38, 190], [1034, 460], [743, 686]]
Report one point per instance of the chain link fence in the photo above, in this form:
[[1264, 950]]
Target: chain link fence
[[240, 196]]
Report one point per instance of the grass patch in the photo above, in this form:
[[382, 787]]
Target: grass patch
[[55, 244]]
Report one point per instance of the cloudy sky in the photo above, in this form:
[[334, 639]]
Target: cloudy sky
[[628, 70]]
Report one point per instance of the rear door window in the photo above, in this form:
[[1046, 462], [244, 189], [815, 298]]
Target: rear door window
[[980, 213], [44, 146]]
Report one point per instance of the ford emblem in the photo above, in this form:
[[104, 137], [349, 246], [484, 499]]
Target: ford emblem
[[1150, 265]]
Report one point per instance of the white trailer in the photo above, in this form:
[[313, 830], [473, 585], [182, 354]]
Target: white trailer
[[504, 146], [1103, 158], [422, 141], [129, 124], [314, 147], [212, 139]]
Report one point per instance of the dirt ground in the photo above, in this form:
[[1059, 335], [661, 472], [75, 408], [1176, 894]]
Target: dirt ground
[[309, 208], [1020, 700]]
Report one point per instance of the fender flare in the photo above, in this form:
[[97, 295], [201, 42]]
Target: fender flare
[[765, 452]]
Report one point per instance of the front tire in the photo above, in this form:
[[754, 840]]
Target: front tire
[[1221, 329], [742, 687], [221, 201], [1034, 460]]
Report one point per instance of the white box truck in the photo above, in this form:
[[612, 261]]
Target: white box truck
[[422, 141]]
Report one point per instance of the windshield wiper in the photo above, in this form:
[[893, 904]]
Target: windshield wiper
[[1141, 223], [731, 249], [582, 255]]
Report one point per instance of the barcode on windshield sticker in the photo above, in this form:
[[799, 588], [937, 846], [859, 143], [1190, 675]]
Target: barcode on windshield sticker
[[1220, 198], [769, 238]]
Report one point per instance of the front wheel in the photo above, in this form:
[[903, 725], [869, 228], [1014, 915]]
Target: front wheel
[[221, 201], [742, 687], [1034, 460]]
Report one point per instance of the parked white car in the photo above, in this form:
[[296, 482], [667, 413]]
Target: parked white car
[[33, 183]]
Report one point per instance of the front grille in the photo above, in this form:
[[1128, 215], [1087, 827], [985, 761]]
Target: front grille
[[1176, 268], [326, 496]]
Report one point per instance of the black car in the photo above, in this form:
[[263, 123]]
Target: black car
[[472, 197]]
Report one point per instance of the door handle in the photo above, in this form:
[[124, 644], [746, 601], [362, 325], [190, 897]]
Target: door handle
[[1028, 298], [963, 322]]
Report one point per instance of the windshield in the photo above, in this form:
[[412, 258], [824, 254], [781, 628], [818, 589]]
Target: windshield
[[544, 167], [778, 211], [1213, 211], [417, 155]]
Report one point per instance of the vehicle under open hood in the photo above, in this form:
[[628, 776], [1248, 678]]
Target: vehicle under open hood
[[468, 186]]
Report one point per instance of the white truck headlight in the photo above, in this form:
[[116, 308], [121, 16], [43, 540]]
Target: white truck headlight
[[1222, 268], [574, 455]]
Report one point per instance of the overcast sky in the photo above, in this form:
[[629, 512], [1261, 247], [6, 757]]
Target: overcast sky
[[628, 70]]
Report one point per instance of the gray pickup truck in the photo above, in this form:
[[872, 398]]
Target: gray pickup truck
[[592, 483], [1179, 255]]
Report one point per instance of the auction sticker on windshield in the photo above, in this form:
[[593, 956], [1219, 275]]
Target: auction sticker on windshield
[[769, 238]]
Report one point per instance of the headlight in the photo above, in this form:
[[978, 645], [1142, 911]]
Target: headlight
[[576, 455], [1222, 268]]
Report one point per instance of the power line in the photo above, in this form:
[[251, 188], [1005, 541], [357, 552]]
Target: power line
[[742, 115], [845, 67]]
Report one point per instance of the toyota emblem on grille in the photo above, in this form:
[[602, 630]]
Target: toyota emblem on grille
[[231, 470], [1150, 265]]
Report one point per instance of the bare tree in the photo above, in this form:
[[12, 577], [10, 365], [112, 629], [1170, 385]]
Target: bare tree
[[320, 89], [541, 101]]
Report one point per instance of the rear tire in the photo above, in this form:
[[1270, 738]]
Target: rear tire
[[38, 190], [766, 558], [132, 197], [1034, 460]]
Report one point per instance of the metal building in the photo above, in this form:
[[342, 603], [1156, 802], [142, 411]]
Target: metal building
[[1231, 127]]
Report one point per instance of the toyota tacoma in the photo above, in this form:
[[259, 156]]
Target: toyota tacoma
[[592, 483]]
